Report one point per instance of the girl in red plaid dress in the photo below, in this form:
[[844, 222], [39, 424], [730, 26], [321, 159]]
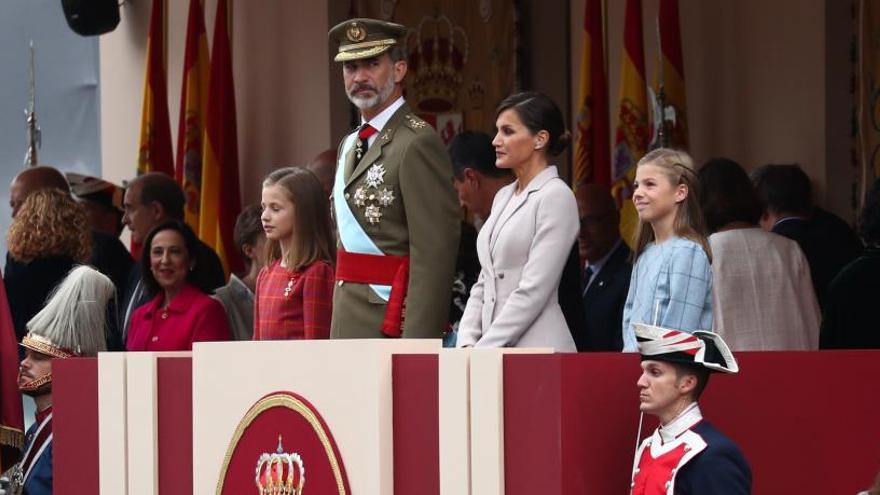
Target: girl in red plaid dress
[[294, 297]]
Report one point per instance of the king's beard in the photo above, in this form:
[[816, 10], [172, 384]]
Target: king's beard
[[366, 103]]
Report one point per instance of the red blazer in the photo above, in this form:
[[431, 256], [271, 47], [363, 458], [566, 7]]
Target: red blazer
[[303, 312], [192, 316]]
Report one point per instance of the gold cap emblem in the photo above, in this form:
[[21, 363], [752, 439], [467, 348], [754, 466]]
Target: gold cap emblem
[[356, 33]]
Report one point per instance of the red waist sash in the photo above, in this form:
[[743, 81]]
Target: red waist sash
[[379, 270]]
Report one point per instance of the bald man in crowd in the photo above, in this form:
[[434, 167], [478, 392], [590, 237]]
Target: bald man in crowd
[[607, 269], [109, 255]]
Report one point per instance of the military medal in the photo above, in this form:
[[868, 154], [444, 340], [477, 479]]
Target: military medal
[[372, 195], [386, 197], [375, 176]]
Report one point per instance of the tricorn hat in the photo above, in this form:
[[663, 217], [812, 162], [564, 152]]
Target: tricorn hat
[[94, 189], [365, 38], [699, 348]]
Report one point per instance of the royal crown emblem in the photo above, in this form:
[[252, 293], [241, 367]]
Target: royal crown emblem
[[356, 33], [438, 53], [280, 473]]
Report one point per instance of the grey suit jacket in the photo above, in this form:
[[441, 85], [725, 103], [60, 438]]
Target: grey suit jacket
[[522, 247]]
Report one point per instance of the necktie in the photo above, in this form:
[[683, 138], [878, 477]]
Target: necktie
[[364, 135], [588, 274]]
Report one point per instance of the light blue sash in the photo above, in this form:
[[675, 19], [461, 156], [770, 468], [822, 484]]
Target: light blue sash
[[351, 234]]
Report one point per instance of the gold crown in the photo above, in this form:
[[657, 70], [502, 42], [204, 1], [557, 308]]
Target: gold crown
[[438, 53], [280, 473]]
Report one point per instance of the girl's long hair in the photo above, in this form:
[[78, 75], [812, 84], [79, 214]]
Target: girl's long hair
[[688, 223], [313, 238]]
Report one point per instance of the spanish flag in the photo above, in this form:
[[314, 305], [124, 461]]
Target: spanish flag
[[11, 416], [193, 105], [155, 146], [221, 197], [592, 156], [631, 136], [671, 74]]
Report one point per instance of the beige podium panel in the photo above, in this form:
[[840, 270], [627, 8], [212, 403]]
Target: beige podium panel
[[454, 421], [112, 424], [487, 417], [128, 422], [347, 381]]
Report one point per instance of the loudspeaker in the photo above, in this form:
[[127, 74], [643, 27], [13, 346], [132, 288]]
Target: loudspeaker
[[91, 17]]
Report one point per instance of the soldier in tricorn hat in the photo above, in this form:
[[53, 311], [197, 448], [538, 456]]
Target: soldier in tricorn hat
[[686, 454], [395, 207]]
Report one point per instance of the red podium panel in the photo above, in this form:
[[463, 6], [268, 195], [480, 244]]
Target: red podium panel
[[570, 423], [175, 431], [806, 421], [75, 426], [416, 424]]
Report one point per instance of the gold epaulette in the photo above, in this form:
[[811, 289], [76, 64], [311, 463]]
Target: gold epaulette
[[414, 122]]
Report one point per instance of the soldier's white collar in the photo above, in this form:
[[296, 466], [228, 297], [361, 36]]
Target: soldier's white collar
[[378, 122], [683, 422]]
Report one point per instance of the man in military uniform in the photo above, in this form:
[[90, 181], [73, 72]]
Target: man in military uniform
[[685, 455], [396, 209], [72, 324]]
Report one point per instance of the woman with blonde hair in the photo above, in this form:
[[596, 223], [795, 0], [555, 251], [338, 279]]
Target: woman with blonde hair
[[49, 235], [671, 284]]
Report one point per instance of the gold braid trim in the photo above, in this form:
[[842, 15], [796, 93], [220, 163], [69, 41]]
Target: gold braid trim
[[367, 44], [34, 385], [281, 399], [12, 437], [44, 346]]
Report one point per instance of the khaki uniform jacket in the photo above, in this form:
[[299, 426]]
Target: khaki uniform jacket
[[422, 222]]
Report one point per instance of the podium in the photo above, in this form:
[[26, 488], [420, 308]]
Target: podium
[[404, 417]]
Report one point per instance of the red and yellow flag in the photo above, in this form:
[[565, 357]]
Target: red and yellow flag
[[11, 416], [220, 165], [671, 74], [631, 136], [193, 106], [155, 145], [592, 156]]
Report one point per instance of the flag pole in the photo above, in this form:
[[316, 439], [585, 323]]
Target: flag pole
[[662, 132], [33, 130]]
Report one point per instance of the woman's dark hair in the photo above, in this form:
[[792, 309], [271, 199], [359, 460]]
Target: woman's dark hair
[[785, 189], [190, 241], [869, 220], [474, 150], [247, 230], [539, 113], [727, 194]]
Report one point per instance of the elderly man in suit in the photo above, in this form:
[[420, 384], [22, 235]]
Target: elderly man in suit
[[607, 269], [396, 211]]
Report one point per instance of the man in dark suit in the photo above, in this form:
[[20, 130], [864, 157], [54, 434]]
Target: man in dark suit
[[607, 270], [827, 241], [477, 180], [151, 199]]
